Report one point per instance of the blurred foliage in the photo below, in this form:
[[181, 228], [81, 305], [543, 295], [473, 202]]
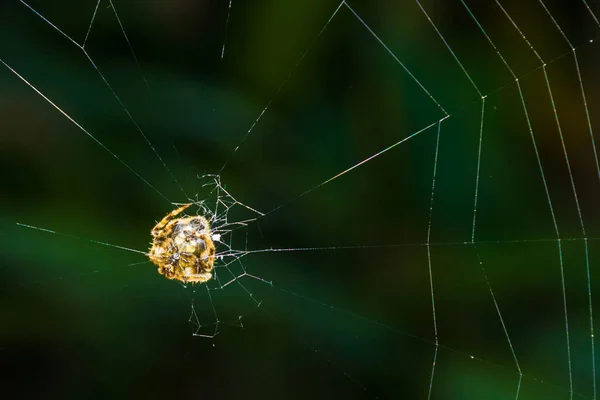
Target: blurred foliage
[[82, 320]]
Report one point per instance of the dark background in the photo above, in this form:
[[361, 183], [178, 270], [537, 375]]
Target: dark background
[[78, 320]]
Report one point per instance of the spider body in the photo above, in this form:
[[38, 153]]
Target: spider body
[[183, 247]]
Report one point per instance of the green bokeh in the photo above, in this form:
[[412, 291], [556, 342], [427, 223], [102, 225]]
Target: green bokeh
[[353, 320]]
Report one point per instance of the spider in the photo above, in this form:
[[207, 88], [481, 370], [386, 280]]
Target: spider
[[183, 247]]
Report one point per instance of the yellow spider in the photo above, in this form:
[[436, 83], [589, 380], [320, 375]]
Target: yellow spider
[[183, 247]]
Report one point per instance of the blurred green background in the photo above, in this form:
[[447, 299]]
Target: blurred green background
[[354, 319]]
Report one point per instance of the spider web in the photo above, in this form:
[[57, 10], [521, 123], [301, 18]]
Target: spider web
[[426, 174], [217, 206]]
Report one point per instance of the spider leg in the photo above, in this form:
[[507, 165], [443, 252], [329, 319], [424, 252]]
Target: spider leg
[[198, 278], [156, 231]]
